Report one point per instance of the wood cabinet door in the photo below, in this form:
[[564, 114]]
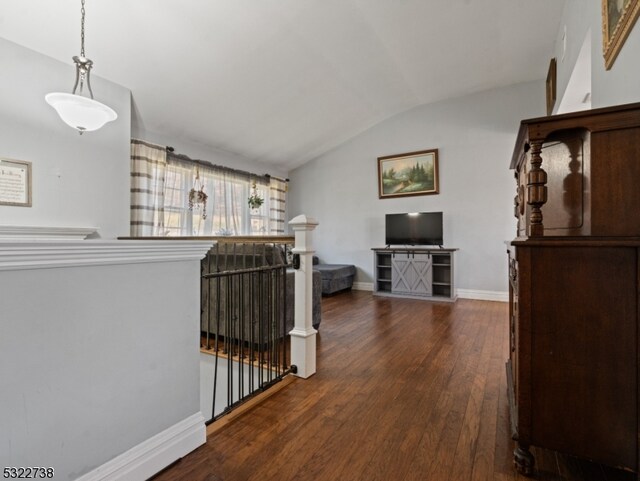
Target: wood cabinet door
[[412, 273], [584, 359]]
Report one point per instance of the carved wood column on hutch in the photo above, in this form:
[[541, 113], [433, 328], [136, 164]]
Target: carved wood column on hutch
[[573, 271]]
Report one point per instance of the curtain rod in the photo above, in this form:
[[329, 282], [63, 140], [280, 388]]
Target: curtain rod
[[171, 151]]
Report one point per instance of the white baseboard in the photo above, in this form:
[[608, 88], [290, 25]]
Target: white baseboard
[[363, 286], [501, 296], [154, 454]]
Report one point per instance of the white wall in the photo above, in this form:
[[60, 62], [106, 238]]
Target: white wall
[[616, 86], [94, 361], [475, 136], [78, 181]]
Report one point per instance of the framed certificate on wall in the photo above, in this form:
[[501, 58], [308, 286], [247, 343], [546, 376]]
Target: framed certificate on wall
[[15, 182]]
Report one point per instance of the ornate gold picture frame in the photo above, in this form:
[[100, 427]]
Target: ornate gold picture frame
[[551, 86], [413, 173], [618, 18]]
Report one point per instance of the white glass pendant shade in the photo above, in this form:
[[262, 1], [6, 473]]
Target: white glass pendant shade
[[81, 113]]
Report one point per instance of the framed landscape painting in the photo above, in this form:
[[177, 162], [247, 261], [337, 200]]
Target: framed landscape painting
[[618, 17], [413, 173]]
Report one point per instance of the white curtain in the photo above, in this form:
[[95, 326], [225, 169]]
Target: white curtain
[[226, 211], [277, 205], [161, 183], [148, 165]]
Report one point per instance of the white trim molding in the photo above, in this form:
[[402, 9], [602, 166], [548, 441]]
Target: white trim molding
[[154, 454], [29, 233], [501, 296], [362, 286], [73, 253]]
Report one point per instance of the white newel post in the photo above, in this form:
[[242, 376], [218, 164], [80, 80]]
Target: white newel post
[[303, 335]]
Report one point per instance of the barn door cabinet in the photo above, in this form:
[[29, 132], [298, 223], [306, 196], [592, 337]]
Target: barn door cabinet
[[572, 372], [416, 272], [411, 273]]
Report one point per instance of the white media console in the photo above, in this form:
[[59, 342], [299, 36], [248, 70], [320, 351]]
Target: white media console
[[425, 273]]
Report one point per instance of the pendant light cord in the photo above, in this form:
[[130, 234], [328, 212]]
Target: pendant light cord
[[82, 30]]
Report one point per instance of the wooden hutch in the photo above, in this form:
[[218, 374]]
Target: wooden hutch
[[574, 292]]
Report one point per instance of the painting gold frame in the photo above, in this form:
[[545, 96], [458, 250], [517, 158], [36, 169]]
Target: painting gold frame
[[413, 173], [15, 182], [618, 18], [551, 86]]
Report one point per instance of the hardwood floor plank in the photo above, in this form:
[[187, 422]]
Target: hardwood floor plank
[[484, 457], [503, 457], [379, 404], [411, 422], [435, 450], [405, 390], [465, 454], [408, 424]]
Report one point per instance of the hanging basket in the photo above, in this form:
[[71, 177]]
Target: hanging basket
[[197, 197], [255, 201]]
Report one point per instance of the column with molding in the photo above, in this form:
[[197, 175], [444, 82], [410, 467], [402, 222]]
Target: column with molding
[[303, 335]]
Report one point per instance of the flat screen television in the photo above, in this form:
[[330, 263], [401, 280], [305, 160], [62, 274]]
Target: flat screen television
[[419, 228]]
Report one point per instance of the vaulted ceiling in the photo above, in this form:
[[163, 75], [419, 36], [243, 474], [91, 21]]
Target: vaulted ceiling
[[282, 81]]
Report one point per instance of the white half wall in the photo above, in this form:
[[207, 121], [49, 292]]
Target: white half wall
[[78, 180], [99, 355], [475, 136]]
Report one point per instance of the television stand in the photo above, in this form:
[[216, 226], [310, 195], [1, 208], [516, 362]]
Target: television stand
[[415, 272]]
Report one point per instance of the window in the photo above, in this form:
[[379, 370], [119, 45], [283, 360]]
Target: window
[[226, 212]]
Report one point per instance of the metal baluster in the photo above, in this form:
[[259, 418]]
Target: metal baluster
[[260, 326], [227, 334], [262, 290], [284, 313], [252, 306], [278, 323], [215, 374], [270, 325], [241, 336]]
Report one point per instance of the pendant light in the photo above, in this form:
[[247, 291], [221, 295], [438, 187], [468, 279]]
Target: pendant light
[[81, 113]]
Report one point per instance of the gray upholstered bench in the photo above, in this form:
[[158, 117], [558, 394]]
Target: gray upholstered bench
[[335, 277]]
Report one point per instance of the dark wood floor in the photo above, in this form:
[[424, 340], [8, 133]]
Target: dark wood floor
[[405, 390]]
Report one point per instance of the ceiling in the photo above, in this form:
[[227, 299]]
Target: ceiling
[[283, 81]]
